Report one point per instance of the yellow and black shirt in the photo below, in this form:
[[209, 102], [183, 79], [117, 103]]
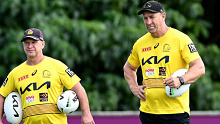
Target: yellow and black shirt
[[39, 87], [159, 58]]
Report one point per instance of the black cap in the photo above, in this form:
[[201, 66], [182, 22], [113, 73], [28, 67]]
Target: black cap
[[33, 33], [152, 6]]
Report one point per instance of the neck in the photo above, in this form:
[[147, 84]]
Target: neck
[[162, 32], [34, 60]]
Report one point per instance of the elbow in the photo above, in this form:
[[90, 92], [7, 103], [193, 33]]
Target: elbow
[[202, 70], [201, 67], [124, 69]]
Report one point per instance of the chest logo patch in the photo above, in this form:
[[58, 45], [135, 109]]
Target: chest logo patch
[[166, 48], [146, 49], [22, 78], [156, 45], [149, 71], [43, 97], [162, 71], [34, 73], [46, 74], [30, 99]]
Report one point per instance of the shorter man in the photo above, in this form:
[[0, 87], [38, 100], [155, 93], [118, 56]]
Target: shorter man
[[42, 79]]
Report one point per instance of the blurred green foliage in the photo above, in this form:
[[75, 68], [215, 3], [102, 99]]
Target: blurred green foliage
[[95, 37]]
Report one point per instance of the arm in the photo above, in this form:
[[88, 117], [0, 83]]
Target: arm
[[196, 70], [2, 99], [84, 104], [131, 78]]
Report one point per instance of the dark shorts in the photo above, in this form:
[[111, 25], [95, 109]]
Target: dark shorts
[[182, 118]]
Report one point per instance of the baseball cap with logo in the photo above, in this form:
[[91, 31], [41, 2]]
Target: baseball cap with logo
[[152, 6], [33, 33]]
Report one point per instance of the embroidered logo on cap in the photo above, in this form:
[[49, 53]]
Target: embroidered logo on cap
[[148, 5], [30, 32]]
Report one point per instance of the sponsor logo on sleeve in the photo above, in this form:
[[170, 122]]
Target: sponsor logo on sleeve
[[4, 83], [69, 72], [131, 50], [149, 72], [192, 48]]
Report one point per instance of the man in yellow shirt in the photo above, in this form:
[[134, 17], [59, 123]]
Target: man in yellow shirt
[[161, 52], [40, 81]]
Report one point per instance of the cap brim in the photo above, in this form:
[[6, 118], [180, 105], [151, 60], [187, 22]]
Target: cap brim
[[143, 10], [34, 38]]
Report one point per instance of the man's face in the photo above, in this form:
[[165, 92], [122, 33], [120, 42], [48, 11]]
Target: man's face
[[33, 48], [153, 21]]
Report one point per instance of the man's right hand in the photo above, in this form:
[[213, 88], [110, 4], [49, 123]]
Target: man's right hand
[[139, 92]]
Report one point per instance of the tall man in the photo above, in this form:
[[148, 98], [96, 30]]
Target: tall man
[[161, 52]]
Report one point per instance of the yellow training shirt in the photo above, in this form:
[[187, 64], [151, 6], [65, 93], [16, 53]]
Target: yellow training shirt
[[159, 58], [39, 87]]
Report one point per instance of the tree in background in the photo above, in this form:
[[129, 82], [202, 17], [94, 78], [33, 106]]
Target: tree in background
[[94, 37]]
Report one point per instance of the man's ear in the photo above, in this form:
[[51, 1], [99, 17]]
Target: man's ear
[[164, 16], [43, 44]]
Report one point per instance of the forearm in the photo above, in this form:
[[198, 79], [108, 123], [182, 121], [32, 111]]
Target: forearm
[[2, 99], [130, 76], [84, 103], [83, 99], [131, 79]]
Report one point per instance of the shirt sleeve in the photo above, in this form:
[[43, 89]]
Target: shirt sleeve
[[133, 59], [67, 76], [8, 85], [189, 51]]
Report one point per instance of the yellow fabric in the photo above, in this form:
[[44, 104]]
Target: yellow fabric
[[40, 110], [154, 83], [159, 58], [40, 86]]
